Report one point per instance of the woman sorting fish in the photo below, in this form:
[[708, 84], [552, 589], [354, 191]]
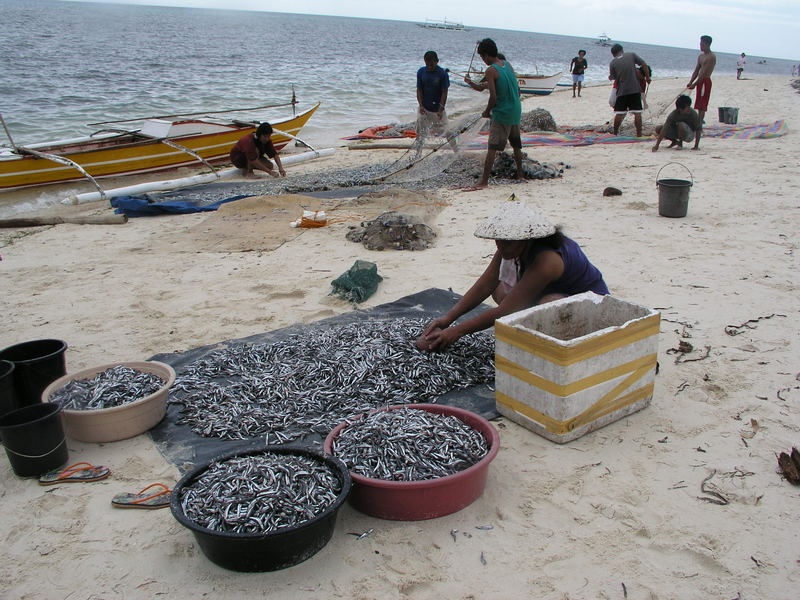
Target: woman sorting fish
[[534, 263]]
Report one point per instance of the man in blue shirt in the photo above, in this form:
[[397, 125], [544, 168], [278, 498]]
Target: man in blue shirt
[[432, 84]]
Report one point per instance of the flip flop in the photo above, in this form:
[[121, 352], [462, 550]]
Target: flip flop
[[158, 499], [81, 472]]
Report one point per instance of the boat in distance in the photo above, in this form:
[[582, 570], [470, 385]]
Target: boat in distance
[[449, 25], [159, 145], [529, 85], [603, 40]]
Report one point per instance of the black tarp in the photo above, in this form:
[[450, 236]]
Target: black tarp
[[181, 446]]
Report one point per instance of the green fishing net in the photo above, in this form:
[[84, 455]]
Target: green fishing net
[[358, 283]]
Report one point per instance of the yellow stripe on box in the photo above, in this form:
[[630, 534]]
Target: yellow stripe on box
[[563, 355], [605, 405], [518, 372]]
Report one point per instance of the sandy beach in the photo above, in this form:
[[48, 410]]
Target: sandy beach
[[618, 513]]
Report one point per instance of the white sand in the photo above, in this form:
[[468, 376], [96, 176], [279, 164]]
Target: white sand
[[613, 514]]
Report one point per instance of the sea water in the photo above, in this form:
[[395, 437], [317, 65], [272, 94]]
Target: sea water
[[68, 64]]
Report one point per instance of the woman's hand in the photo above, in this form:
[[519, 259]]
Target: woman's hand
[[441, 339], [437, 323]]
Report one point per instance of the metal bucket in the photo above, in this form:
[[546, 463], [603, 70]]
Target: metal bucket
[[673, 194], [728, 114]]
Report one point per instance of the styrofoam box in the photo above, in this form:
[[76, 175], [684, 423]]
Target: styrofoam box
[[569, 367]]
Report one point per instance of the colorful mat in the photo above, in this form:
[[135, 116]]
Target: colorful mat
[[747, 132]]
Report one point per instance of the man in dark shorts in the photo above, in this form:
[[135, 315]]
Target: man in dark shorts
[[682, 125], [504, 108], [248, 154], [578, 67], [623, 71]]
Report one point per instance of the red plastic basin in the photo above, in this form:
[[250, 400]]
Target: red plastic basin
[[419, 500]]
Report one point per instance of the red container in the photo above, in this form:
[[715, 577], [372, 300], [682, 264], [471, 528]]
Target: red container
[[419, 500]]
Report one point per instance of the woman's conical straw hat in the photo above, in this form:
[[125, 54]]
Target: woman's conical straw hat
[[515, 221]]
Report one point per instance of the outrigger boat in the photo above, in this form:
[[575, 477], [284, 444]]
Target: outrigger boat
[[529, 85], [449, 25], [160, 144], [603, 40]]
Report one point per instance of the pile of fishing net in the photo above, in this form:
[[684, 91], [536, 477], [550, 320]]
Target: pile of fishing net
[[504, 167], [358, 283], [393, 230], [537, 120]]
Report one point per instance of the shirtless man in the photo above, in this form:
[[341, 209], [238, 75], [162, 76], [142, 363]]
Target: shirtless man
[[701, 78]]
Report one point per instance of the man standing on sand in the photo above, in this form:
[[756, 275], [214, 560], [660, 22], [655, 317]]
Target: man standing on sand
[[432, 84], [504, 108], [701, 78], [740, 66], [622, 70], [577, 67]]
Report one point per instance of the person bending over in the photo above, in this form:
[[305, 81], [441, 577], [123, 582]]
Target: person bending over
[[534, 263], [682, 125], [622, 70], [250, 153]]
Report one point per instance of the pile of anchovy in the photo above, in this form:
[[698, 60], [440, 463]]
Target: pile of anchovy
[[407, 444], [113, 387], [260, 493], [312, 381]]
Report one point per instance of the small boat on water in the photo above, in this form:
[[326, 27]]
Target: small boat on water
[[603, 40], [450, 25], [160, 144], [529, 85]]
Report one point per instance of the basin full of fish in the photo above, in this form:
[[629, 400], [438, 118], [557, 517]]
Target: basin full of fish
[[113, 387], [312, 381], [260, 493], [408, 444]]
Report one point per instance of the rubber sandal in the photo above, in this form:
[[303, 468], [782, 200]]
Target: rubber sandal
[[159, 499], [81, 472]]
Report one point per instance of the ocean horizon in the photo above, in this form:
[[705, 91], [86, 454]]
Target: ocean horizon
[[67, 64]]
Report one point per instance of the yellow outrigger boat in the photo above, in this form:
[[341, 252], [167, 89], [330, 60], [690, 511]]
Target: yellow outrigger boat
[[160, 144]]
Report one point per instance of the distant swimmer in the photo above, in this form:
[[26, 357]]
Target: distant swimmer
[[701, 77]]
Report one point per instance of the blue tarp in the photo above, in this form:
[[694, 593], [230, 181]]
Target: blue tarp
[[142, 206]]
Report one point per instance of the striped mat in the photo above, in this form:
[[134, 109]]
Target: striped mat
[[746, 132]]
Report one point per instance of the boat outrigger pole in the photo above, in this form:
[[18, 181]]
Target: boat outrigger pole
[[52, 157], [194, 114]]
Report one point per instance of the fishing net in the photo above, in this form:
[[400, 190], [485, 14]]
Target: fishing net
[[393, 230], [431, 154], [358, 283]]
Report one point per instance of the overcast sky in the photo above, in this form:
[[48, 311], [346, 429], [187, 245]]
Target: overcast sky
[[757, 27]]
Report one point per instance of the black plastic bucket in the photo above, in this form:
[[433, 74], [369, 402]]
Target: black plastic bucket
[[34, 439], [8, 394], [728, 114], [36, 365], [271, 551], [673, 194]]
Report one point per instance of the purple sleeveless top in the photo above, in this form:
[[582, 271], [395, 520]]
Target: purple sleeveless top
[[579, 274]]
